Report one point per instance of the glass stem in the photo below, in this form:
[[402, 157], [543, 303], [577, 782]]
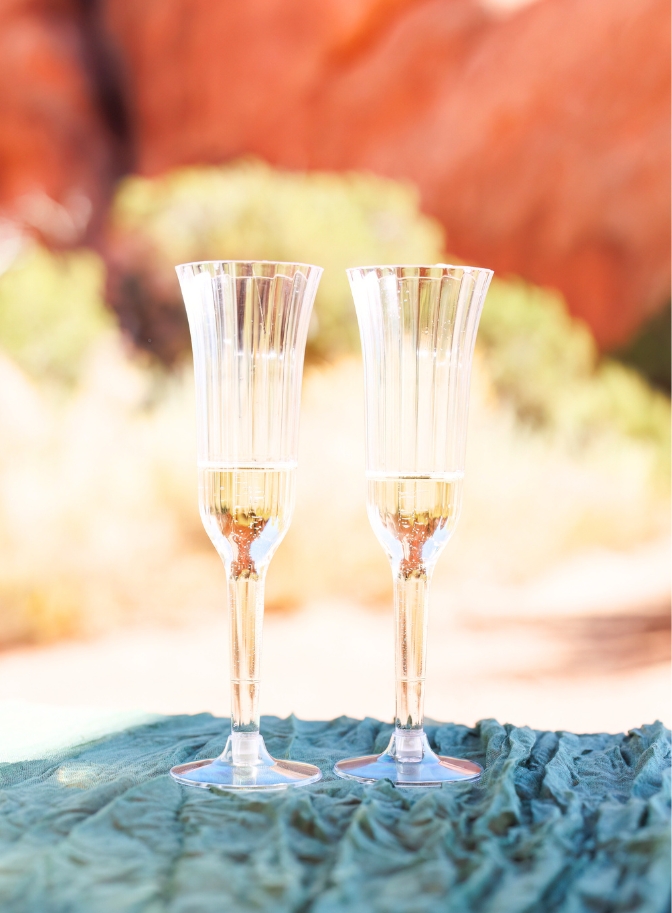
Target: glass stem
[[246, 618], [411, 611]]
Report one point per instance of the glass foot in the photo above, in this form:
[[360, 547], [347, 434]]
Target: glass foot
[[245, 764], [408, 761]]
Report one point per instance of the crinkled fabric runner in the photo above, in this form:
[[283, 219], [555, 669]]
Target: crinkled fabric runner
[[559, 822]]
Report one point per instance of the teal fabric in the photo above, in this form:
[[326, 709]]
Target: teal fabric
[[559, 822]]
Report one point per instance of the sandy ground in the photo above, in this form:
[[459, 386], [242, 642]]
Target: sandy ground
[[581, 674]]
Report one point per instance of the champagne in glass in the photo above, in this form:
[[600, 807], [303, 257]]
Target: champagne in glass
[[248, 324], [246, 511], [418, 327]]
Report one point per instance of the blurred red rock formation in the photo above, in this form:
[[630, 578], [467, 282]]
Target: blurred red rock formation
[[59, 155], [539, 138]]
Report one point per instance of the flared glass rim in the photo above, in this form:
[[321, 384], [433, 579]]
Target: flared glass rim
[[311, 266], [442, 266]]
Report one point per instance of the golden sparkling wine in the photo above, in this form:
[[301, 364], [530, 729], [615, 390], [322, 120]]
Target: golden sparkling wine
[[246, 511], [413, 516]]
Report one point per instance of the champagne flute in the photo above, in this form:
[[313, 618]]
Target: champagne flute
[[248, 323], [418, 328]]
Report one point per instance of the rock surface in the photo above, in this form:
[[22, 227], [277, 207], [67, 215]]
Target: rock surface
[[539, 137], [60, 146]]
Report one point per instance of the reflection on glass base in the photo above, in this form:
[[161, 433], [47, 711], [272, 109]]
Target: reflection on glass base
[[408, 761], [245, 764]]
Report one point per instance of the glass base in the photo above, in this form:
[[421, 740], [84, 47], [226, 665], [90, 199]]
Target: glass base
[[408, 761], [245, 764]]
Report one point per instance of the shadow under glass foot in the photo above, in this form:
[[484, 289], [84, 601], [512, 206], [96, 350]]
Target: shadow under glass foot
[[408, 761], [245, 764]]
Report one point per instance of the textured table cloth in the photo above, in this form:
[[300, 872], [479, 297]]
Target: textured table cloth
[[559, 822]]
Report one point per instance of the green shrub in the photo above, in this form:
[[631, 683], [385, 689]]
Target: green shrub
[[546, 364], [250, 211], [540, 360], [51, 309]]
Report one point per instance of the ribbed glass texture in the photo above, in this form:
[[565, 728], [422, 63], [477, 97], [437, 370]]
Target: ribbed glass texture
[[418, 328], [248, 324]]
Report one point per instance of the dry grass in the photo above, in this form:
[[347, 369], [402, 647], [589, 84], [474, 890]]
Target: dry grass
[[97, 501], [99, 522], [530, 501]]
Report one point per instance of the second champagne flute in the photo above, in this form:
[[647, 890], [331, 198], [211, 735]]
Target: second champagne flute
[[418, 327]]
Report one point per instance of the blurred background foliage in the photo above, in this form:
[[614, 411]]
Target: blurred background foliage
[[251, 211], [540, 359], [650, 351], [108, 467], [547, 365], [51, 311]]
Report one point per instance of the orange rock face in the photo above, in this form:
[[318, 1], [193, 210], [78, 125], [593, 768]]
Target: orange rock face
[[540, 138], [58, 155]]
